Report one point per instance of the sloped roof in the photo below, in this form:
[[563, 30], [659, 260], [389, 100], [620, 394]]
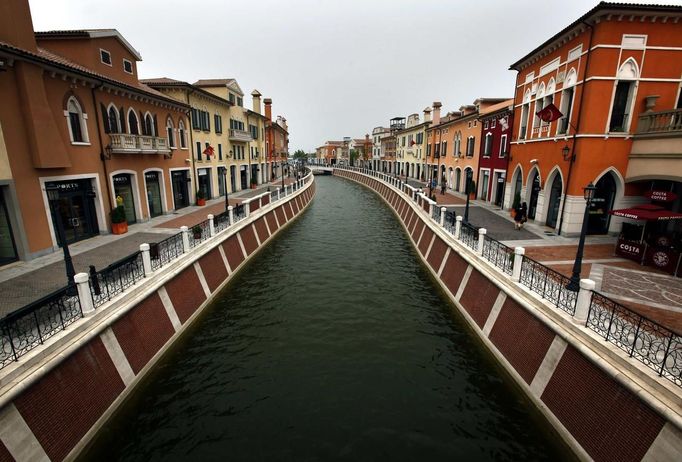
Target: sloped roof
[[89, 33]]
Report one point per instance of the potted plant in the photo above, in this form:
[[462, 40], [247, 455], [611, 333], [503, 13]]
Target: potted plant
[[196, 231], [515, 204], [254, 182], [201, 197], [119, 223]]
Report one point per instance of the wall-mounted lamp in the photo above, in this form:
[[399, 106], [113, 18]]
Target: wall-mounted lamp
[[566, 151]]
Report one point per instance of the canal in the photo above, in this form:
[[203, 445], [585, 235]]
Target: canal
[[332, 344]]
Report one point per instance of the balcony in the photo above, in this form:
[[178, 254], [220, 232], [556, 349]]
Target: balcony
[[240, 135], [121, 143], [656, 151], [660, 124]]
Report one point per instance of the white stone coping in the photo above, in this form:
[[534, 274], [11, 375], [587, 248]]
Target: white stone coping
[[657, 392], [21, 375]]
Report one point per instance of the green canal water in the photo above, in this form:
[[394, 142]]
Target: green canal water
[[332, 344]]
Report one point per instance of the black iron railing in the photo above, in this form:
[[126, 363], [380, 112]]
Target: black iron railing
[[116, 278], [500, 255], [25, 329], [239, 212], [549, 284], [436, 214], [468, 234], [164, 252], [221, 221], [199, 233], [641, 338], [450, 222]]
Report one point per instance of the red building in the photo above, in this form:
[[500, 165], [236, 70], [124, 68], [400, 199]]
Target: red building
[[496, 129]]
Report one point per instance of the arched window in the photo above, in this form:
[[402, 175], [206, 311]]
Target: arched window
[[112, 114], [181, 134], [623, 96], [76, 121], [148, 126], [133, 126], [169, 132]]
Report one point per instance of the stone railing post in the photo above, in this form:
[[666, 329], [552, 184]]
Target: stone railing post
[[84, 294], [278, 190], [211, 225], [582, 305], [430, 209], [458, 227], [443, 211], [481, 239], [230, 214], [518, 260], [146, 259], [247, 209], [185, 238], [260, 201]]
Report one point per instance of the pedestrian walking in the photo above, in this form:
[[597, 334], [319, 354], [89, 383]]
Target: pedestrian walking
[[520, 215]]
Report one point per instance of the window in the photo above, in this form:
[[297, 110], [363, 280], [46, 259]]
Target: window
[[127, 66], [148, 125], [493, 123], [220, 151], [169, 133], [236, 124], [566, 106], [444, 149], [469, 125], [254, 131], [240, 101], [620, 108], [503, 145], [218, 121], [470, 146], [485, 125], [105, 57], [196, 125], [524, 122], [231, 98], [76, 122], [133, 125], [112, 116], [181, 134], [198, 150], [488, 145], [205, 119], [428, 150]]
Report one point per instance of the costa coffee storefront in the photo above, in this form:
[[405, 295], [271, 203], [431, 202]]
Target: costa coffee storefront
[[653, 234]]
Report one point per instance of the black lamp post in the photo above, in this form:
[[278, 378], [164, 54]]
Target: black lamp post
[[574, 284], [469, 174], [227, 200], [53, 198], [281, 163]]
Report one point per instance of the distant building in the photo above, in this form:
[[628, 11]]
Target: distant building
[[496, 129]]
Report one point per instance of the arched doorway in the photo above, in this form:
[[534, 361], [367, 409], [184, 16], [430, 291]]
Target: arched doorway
[[602, 203], [554, 201], [534, 192], [458, 179]]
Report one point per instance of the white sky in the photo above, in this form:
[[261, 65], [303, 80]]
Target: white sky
[[333, 68]]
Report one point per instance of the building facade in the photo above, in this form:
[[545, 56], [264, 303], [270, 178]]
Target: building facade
[[496, 129], [595, 72], [411, 145]]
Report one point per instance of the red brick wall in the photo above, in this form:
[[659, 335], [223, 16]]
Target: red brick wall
[[214, 270], [233, 252], [453, 272], [62, 406], [249, 240], [521, 338], [426, 241], [262, 230], [478, 297], [437, 253], [186, 293], [5, 456], [281, 216], [608, 421], [272, 223], [417, 229], [143, 331]]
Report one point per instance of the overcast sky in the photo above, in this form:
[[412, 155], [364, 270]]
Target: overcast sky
[[333, 68]]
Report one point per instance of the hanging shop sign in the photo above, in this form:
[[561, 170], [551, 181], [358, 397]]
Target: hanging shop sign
[[661, 196]]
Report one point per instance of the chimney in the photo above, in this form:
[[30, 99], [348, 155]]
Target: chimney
[[256, 101], [436, 112], [16, 25], [267, 102], [427, 114]]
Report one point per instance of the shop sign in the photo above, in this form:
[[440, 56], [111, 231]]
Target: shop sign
[[151, 176], [66, 186], [122, 179], [630, 250], [202, 171], [661, 196]]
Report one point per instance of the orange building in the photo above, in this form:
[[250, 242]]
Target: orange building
[[77, 123], [609, 73]]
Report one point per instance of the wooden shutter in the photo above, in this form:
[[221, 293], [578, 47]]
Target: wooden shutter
[[105, 118]]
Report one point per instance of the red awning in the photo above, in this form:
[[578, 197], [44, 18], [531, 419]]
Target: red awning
[[647, 212]]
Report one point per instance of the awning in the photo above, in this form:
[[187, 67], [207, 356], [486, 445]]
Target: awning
[[648, 212]]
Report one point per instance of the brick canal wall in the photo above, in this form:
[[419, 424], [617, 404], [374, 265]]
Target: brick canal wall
[[55, 400], [605, 406]]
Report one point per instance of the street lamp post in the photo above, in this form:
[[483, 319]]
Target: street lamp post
[[469, 174], [574, 284], [53, 198], [227, 200]]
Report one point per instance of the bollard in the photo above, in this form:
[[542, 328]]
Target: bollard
[[458, 227], [84, 294], [260, 201], [185, 238], [247, 209], [278, 190], [146, 259], [430, 209], [518, 260], [481, 240], [211, 225], [230, 214], [582, 305], [443, 211]]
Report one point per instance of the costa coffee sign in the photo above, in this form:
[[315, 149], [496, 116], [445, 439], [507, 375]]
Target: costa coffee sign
[[661, 196], [630, 250]]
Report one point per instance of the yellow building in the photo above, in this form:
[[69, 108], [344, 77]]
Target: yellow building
[[411, 145]]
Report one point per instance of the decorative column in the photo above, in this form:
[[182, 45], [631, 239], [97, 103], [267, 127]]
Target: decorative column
[[582, 306], [185, 238], [146, 259], [458, 227], [247, 209], [82, 281], [211, 225], [481, 240], [443, 211], [518, 260]]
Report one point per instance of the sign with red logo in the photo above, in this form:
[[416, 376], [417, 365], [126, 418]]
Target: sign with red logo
[[630, 250], [661, 196]]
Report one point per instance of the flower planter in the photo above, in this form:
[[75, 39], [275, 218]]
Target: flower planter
[[254, 185], [201, 202], [119, 228], [196, 236]]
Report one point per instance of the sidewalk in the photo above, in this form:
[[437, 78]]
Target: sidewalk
[[26, 281]]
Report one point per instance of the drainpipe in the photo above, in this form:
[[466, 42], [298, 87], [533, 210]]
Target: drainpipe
[[195, 183], [101, 144], [575, 129]]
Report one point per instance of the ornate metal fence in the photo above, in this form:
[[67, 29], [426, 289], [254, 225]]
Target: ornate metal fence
[[469, 235], [450, 222], [165, 251], [641, 338], [239, 212], [116, 278], [498, 254], [549, 284], [436, 214], [221, 221], [25, 329], [199, 233]]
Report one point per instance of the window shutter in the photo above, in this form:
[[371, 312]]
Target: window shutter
[[105, 118], [198, 150]]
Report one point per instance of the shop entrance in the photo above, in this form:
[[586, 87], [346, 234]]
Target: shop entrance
[[123, 188], [233, 178], [76, 208], [534, 192], [8, 248], [204, 175], [221, 181], [180, 191], [153, 194], [554, 201], [244, 177], [601, 204]]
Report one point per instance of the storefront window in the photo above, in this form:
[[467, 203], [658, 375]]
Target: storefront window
[[8, 250], [153, 194], [123, 189]]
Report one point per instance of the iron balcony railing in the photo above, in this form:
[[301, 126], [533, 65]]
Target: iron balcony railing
[[115, 278]]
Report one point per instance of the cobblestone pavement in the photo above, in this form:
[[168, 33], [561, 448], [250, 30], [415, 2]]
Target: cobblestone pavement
[[20, 291], [497, 226]]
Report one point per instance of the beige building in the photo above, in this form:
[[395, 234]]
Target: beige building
[[411, 145]]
